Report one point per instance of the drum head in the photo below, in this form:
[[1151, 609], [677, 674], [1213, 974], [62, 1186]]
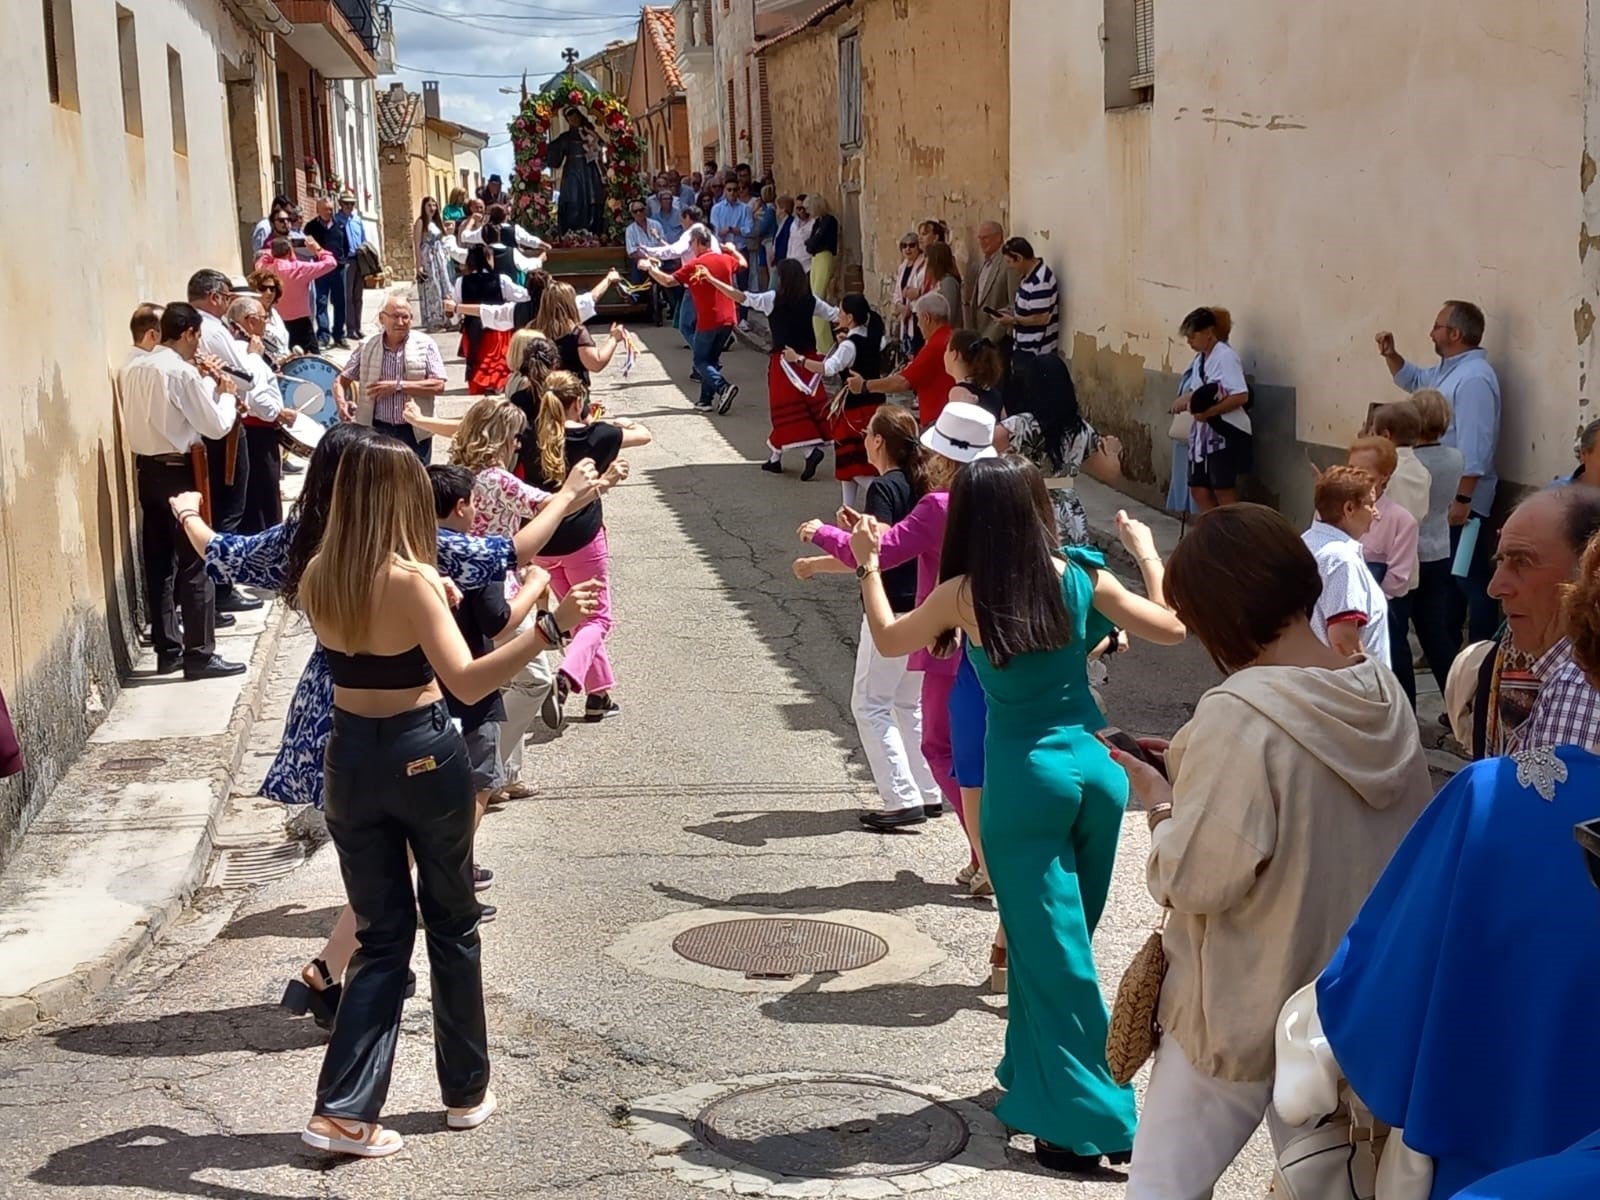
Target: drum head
[[320, 372], [304, 432], [302, 395]]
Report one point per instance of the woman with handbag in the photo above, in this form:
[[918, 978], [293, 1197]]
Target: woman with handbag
[[1052, 805], [1290, 787], [1215, 398]]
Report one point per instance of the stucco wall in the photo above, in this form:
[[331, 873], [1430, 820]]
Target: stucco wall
[[935, 139], [135, 219], [1324, 174]]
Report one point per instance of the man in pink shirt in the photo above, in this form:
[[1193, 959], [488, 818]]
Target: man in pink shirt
[[1390, 549], [298, 276]]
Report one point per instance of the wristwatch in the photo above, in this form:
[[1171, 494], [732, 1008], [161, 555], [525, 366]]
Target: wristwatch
[[545, 621], [1460, 499], [862, 571]]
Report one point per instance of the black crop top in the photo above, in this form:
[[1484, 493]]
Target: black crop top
[[408, 669]]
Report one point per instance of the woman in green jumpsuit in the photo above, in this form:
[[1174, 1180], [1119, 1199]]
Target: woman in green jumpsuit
[[1053, 799]]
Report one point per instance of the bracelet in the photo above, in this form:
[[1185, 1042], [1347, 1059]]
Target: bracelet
[[187, 513], [1155, 558], [1158, 813], [1460, 499]]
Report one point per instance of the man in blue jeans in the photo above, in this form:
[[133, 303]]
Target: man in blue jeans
[[714, 313], [332, 236]]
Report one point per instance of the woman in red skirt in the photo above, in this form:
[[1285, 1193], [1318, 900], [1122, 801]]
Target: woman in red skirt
[[484, 349], [795, 395], [860, 349]]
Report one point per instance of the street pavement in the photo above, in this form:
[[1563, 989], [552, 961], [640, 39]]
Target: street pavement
[[731, 782]]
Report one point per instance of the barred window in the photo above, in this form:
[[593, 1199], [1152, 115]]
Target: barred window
[[1144, 44]]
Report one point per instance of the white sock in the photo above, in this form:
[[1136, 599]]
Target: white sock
[[777, 456]]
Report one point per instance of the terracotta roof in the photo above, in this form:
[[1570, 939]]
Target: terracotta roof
[[658, 22], [396, 113], [832, 6]]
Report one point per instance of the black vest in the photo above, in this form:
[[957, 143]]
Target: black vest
[[502, 240], [791, 330], [869, 355], [477, 287]]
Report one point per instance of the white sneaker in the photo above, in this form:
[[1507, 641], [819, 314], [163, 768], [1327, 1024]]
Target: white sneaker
[[471, 1118]]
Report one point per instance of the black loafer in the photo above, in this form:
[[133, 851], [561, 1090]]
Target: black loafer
[[773, 465], [215, 667], [888, 822], [933, 810], [237, 603], [813, 461], [168, 666], [224, 621]]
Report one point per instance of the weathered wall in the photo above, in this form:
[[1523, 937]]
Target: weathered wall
[[403, 181], [1322, 183], [734, 24], [135, 219], [935, 139]]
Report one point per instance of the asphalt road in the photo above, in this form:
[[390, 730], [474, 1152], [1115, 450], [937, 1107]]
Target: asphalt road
[[732, 779]]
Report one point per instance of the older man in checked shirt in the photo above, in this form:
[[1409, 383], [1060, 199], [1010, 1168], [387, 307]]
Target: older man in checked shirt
[[393, 366]]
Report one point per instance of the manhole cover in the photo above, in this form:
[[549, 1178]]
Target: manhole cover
[[248, 867], [780, 946], [833, 1129]]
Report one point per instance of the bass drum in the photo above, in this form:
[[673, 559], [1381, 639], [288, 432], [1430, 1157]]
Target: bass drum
[[312, 369]]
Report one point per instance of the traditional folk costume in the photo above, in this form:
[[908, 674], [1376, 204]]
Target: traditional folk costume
[[484, 349], [863, 354], [795, 396]]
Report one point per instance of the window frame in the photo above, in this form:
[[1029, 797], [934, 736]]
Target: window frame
[[177, 103], [128, 69], [852, 123]]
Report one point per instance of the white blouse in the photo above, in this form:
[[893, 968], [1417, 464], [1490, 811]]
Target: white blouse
[[843, 356], [762, 302], [503, 316], [510, 290]]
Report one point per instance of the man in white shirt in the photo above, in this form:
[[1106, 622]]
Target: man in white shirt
[[800, 232], [168, 406], [210, 292], [1352, 615], [264, 411]]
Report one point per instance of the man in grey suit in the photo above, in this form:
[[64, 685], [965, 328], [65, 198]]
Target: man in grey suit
[[994, 285]]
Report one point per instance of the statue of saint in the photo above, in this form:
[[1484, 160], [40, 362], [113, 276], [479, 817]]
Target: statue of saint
[[577, 154]]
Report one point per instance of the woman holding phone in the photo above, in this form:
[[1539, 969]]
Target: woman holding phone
[[1291, 787], [1052, 800]]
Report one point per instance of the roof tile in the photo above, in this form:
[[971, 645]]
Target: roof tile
[[664, 37]]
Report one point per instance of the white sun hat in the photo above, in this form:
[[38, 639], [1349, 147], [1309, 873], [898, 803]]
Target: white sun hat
[[964, 432]]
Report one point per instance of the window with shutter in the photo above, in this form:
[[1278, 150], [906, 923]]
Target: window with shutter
[[180, 117], [128, 63], [731, 139], [60, 58], [766, 163], [850, 90], [1144, 44]]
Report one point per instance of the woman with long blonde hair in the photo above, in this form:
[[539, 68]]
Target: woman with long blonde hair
[[397, 778], [560, 321], [579, 552]]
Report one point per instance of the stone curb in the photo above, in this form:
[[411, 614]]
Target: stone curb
[[57, 997]]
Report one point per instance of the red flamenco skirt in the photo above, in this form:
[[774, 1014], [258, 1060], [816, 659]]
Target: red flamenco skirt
[[798, 419], [486, 363], [850, 435]]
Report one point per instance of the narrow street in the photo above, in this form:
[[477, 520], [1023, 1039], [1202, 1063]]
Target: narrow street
[[730, 784]]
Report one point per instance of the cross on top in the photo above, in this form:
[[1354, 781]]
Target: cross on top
[[570, 57]]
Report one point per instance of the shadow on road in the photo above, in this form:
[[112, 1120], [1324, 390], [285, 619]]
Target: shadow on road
[[287, 921], [159, 1158], [906, 890], [764, 827], [261, 1028], [903, 1006]]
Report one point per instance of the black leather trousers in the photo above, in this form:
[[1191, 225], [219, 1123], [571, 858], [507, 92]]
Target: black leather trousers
[[390, 783]]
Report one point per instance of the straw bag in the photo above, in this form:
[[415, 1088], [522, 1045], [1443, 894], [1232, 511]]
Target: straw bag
[[1133, 1034]]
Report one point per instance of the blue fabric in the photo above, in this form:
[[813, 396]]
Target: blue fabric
[[1571, 1175], [708, 347], [969, 722], [1461, 1003], [1471, 386], [1178, 498], [261, 560]]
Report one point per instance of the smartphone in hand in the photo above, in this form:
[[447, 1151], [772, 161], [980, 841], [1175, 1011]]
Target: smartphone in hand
[[990, 310], [1115, 739]]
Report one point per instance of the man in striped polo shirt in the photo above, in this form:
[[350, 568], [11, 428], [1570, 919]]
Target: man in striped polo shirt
[[1035, 319]]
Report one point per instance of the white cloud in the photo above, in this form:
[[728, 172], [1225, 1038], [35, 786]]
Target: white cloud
[[494, 41]]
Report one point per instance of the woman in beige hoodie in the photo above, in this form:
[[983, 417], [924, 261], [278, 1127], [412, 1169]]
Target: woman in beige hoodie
[[1291, 786]]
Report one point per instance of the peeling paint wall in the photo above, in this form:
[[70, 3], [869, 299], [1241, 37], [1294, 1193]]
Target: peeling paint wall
[[1323, 181], [936, 112], [129, 220]]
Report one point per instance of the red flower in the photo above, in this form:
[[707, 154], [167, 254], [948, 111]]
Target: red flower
[[575, 96], [537, 164]]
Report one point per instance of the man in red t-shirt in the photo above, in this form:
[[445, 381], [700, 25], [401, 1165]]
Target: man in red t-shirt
[[715, 314], [925, 374]]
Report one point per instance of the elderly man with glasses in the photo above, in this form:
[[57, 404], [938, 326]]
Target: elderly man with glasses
[[642, 233], [264, 412]]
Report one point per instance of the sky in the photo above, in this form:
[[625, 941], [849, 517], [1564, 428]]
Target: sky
[[475, 49]]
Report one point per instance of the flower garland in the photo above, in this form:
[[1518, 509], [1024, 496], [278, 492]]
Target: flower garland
[[622, 175]]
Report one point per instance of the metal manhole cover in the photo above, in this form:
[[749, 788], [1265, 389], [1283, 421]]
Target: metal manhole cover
[[779, 947], [248, 867], [833, 1129]]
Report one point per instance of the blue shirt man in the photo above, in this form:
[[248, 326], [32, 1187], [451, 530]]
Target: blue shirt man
[[355, 237], [730, 217], [1471, 386], [355, 233], [664, 207]]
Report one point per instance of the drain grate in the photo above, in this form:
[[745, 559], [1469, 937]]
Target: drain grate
[[780, 947], [254, 865], [143, 763], [833, 1129]]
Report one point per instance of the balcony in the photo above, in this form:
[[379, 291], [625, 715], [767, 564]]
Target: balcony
[[692, 25], [337, 38]]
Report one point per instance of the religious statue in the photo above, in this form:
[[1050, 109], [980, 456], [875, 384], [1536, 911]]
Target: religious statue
[[577, 154]]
